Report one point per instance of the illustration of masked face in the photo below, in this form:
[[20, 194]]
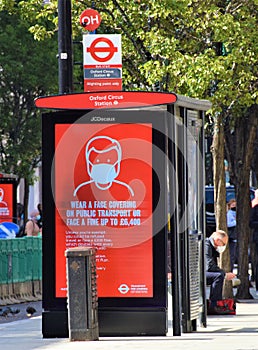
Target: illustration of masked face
[[105, 168], [1, 194]]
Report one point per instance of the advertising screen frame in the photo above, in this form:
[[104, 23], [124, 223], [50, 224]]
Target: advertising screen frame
[[157, 118], [13, 205]]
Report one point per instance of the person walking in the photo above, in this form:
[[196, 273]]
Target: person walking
[[232, 233], [253, 223], [32, 226]]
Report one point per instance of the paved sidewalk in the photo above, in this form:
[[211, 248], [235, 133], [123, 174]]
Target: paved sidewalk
[[237, 332]]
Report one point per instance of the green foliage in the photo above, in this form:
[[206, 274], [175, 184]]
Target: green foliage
[[200, 48], [28, 69]]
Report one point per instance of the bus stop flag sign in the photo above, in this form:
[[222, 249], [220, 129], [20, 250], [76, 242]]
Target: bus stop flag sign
[[102, 61]]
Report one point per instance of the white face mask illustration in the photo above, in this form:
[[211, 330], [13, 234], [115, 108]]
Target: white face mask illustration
[[221, 249], [103, 173], [1, 194]]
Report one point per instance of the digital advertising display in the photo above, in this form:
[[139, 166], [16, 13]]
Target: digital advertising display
[[6, 202], [103, 199], [104, 186]]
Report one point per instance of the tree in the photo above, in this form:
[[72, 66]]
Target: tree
[[240, 139], [220, 192], [27, 70]]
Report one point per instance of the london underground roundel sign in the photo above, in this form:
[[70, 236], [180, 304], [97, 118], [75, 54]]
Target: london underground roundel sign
[[90, 19], [108, 51]]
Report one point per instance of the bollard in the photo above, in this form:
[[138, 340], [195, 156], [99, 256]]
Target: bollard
[[82, 294]]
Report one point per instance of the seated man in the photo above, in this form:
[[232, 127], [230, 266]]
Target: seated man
[[214, 245]]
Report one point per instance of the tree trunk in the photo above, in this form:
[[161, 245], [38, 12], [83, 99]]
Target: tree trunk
[[26, 199], [220, 194], [255, 160], [245, 139]]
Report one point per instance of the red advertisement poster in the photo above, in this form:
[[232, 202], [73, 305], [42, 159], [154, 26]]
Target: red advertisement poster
[[103, 198], [6, 202]]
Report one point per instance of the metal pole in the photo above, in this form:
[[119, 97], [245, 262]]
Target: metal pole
[[65, 60], [175, 255], [203, 316]]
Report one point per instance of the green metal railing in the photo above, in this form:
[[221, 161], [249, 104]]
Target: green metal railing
[[20, 269]]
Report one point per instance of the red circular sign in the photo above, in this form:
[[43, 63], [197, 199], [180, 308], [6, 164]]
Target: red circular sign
[[90, 19], [110, 49]]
